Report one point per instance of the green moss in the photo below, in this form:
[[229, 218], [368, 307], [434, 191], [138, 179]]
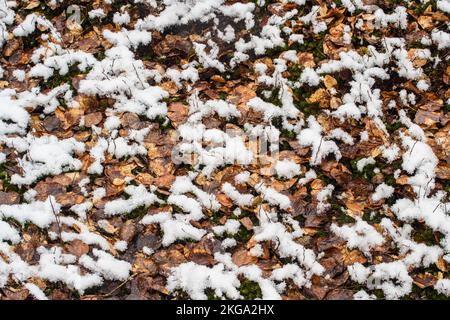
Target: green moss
[[275, 52], [250, 290], [284, 145], [303, 94], [354, 286], [424, 294], [420, 7], [309, 109], [390, 180], [379, 294], [137, 213], [391, 127], [211, 294], [423, 234], [446, 108], [274, 97], [215, 217], [100, 55], [372, 219], [367, 172], [57, 79], [6, 179], [322, 233], [243, 235], [245, 213], [447, 186], [235, 73], [295, 72], [320, 175], [48, 291], [178, 294], [344, 219], [314, 46], [164, 123]]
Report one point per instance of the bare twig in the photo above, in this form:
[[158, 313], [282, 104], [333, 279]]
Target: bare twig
[[318, 150], [120, 285], [57, 219]]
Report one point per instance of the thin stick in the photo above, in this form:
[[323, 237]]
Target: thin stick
[[120, 285], [318, 150], [57, 219]]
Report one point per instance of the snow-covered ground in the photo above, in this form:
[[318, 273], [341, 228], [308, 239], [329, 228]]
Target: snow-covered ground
[[299, 145]]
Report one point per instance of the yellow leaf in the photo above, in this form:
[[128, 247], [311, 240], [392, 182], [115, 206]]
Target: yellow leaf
[[329, 82]]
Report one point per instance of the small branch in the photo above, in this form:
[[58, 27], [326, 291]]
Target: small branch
[[120, 285], [57, 219], [318, 150]]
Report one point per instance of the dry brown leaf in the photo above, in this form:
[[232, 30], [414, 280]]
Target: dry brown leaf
[[242, 257]]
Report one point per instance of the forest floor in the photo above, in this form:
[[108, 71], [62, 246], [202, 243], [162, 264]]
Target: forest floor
[[213, 149]]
